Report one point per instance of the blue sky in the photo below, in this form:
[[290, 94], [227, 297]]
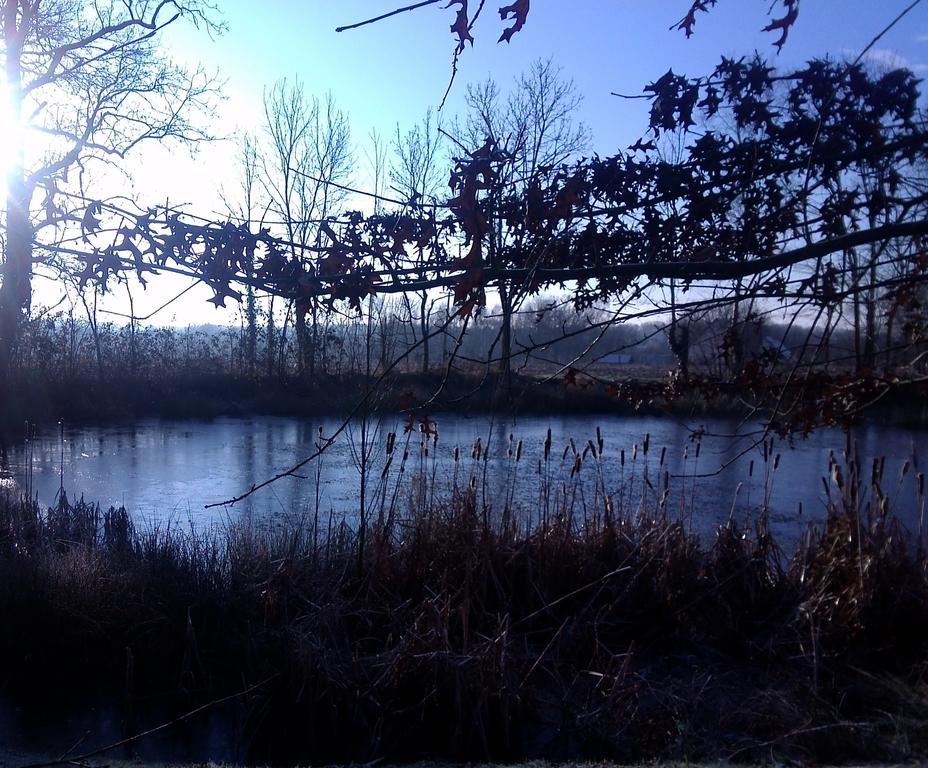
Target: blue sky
[[392, 71]]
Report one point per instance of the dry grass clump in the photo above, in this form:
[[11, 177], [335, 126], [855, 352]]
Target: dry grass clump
[[452, 632]]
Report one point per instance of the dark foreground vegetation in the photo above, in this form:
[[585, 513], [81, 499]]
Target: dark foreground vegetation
[[456, 634]]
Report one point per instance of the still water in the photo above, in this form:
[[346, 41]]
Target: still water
[[170, 470]]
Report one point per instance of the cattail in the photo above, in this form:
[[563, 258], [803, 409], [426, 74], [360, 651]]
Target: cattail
[[776, 462], [751, 468], [599, 439], [663, 454], [578, 462], [548, 444], [622, 457], [647, 443], [518, 451]]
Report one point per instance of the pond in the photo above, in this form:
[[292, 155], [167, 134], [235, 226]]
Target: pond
[[171, 470]]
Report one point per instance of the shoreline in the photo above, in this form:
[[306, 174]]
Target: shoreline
[[45, 402]]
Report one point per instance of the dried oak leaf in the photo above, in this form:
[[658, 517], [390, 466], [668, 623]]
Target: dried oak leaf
[[461, 26], [687, 23], [469, 291], [90, 222], [643, 146], [222, 292], [519, 13], [785, 23]]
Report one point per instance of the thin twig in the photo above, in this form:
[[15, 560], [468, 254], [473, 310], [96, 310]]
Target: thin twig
[[386, 15]]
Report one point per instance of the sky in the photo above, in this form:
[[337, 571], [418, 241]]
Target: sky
[[391, 72]]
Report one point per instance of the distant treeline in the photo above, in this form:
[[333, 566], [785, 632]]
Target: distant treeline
[[545, 338]]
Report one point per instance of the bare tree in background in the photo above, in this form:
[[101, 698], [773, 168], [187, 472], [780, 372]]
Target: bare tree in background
[[535, 126], [418, 175], [245, 204], [88, 84], [308, 159]]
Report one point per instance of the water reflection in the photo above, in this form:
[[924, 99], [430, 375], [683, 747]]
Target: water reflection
[[164, 470]]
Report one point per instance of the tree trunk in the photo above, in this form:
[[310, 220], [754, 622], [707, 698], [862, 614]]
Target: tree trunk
[[858, 336], [271, 339], [680, 346], [94, 331], [314, 340], [505, 368], [16, 288], [679, 336], [282, 343], [133, 350], [302, 341], [251, 322], [424, 328], [870, 319]]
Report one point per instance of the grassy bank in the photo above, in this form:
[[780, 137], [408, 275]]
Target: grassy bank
[[454, 633], [42, 399]]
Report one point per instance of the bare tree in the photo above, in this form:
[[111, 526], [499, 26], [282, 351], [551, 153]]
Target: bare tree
[[89, 83], [534, 126], [376, 155], [245, 204], [306, 164], [417, 174]]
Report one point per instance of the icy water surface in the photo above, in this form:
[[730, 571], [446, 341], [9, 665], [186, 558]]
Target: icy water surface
[[169, 470]]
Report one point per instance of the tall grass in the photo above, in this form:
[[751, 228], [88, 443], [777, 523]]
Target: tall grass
[[453, 630]]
